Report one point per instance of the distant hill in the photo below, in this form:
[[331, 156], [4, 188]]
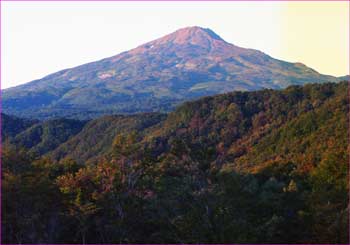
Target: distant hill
[[156, 76], [84, 141], [45, 136], [38, 136], [96, 138], [11, 126]]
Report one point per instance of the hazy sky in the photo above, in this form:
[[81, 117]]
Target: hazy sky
[[39, 38]]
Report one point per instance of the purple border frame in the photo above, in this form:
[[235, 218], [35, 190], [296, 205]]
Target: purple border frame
[[0, 131], [175, 0], [314, 1]]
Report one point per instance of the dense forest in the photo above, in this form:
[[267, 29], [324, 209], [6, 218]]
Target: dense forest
[[268, 166]]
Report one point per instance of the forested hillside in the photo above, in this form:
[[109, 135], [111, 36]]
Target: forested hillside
[[243, 167], [11, 126], [97, 137], [36, 136]]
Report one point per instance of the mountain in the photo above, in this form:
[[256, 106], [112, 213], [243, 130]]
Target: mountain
[[156, 76], [268, 166]]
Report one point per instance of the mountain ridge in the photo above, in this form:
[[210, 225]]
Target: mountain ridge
[[154, 77]]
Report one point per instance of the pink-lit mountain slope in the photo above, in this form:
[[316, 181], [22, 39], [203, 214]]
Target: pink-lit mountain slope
[[189, 63]]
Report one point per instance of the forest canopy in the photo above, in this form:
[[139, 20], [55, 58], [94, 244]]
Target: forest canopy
[[268, 166]]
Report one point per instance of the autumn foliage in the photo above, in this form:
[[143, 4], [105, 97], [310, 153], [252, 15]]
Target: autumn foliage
[[244, 167]]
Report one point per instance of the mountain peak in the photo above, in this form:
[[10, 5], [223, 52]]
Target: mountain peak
[[194, 35], [193, 31]]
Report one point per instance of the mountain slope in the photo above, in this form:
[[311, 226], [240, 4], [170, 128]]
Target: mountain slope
[[243, 130], [155, 76], [249, 130]]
